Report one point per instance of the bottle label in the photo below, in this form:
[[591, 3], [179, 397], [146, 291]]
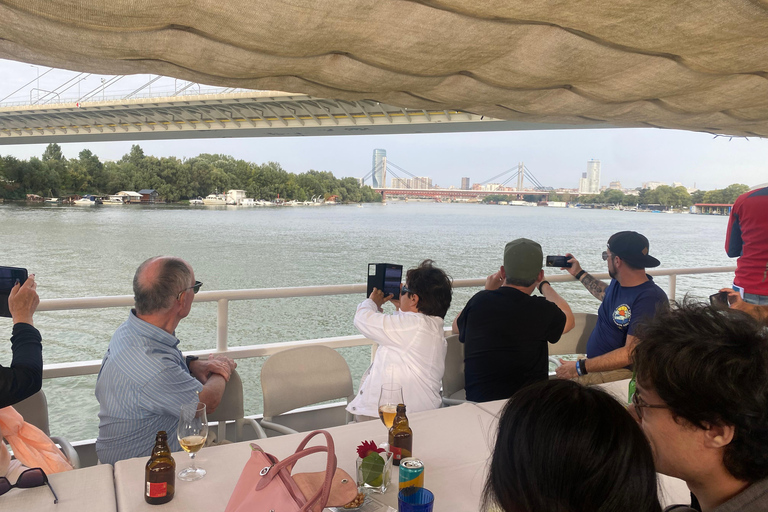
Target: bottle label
[[396, 452], [157, 489]]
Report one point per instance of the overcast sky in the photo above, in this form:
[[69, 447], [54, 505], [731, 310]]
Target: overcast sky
[[555, 157]]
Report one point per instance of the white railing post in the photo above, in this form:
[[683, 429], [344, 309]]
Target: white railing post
[[221, 325], [672, 286]]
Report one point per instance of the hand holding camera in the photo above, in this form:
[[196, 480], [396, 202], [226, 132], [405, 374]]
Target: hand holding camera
[[23, 301]]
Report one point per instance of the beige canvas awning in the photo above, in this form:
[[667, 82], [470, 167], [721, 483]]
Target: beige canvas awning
[[689, 64]]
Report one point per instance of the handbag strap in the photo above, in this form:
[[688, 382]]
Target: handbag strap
[[330, 467]]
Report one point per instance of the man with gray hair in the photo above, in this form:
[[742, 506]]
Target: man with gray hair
[[144, 379]]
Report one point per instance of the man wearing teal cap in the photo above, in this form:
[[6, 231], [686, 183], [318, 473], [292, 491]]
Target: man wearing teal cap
[[505, 330]]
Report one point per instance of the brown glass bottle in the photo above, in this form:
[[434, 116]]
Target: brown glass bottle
[[160, 473], [400, 436]]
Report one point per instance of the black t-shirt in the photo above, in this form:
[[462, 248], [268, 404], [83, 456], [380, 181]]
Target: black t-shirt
[[505, 334]]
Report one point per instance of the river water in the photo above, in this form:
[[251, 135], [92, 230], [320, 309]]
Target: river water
[[94, 251]]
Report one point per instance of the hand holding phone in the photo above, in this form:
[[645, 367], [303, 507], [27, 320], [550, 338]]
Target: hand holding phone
[[9, 276], [719, 300], [558, 261]]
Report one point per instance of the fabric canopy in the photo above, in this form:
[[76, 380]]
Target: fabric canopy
[[688, 64]]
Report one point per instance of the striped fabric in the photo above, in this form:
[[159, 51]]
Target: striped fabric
[[141, 387]]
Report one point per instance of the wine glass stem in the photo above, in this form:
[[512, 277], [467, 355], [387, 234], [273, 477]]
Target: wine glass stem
[[192, 467]]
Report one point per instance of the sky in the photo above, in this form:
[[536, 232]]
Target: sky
[[556, 158]]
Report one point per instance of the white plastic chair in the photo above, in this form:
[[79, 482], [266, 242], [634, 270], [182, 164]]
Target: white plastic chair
[[231, 409], [34, 410], [300, 377], [453, 378], [575, 340]]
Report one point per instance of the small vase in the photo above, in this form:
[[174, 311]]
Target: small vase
[[369, 479]]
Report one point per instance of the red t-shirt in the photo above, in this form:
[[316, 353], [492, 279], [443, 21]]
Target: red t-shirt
[[747, 238]]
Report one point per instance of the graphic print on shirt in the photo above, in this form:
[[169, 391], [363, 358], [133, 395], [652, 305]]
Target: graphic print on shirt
[[621, 316]]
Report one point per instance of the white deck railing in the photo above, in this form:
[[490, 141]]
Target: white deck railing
[[223, 297]]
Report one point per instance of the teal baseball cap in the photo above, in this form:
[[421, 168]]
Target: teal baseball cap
[[523, 259]]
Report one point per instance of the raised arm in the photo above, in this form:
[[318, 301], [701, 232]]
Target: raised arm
[[595, 286], [551, 295]]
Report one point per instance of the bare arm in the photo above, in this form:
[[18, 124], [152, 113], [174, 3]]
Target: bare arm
[[455, 326], [213, 390], [595, 286], [613, 360], [552, 296]]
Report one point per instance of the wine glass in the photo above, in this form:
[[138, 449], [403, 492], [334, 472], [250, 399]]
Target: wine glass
[[391, 396], [192, 433]]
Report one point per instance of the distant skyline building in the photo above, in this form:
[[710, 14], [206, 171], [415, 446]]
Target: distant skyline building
[[379, 177], [465, 183], [615, 185], [590, 180], [652, 185], [400, 183]]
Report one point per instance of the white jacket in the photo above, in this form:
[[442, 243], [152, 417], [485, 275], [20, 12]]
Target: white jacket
[[411, 353]]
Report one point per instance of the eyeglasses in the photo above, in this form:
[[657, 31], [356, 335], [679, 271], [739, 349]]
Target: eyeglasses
[[638, 403], [34, 477], [195, 288], [606, 255], [405, 289]]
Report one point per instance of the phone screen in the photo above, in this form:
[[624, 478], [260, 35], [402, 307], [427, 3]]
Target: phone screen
[[392, 278], [8, 277]]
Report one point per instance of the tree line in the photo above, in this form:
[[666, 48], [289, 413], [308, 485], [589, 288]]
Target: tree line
[[174, 179], [664, 195]]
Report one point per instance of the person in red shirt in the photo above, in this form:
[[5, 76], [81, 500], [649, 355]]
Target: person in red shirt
[[747, 239]]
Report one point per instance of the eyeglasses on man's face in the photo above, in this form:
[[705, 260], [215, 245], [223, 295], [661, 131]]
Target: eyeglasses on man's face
[[34, 477], [606, 255], [639, 404], [405, 289], [195, 288]]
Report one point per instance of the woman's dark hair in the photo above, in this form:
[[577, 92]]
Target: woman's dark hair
[[710, 366], [562, 447], [433, 286]]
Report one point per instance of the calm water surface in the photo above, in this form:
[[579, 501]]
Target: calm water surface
[[94, 251]]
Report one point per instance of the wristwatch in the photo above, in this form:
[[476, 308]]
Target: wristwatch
[[189, 359], [541, 284]]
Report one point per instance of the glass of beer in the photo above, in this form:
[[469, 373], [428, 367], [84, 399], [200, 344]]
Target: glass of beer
[[391, 395], [192, 433]]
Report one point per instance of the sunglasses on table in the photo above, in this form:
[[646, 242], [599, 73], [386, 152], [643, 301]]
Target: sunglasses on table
[[639, 404], [195, 288], [34, 477]]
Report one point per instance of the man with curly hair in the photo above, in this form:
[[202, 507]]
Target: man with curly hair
[[702, 401]]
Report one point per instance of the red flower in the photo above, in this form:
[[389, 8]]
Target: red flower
[[366, 448]]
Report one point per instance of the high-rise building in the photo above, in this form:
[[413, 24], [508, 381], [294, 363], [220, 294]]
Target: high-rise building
[[590, 180], [421, 182], [464, 183], [583, 187], [379, 168], [615, 185], [400, 183]]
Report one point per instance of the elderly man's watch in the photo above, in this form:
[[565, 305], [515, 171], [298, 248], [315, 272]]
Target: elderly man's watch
[[189, 359]]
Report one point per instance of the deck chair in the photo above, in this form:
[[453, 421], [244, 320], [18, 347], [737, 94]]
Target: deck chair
[[300, 377], [575, 340], [453, 378], [231, 409], [34, 410]]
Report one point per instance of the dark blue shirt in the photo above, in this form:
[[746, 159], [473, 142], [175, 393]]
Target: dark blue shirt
[[620, 312]]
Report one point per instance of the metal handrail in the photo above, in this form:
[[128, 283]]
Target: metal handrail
[[223, 297]]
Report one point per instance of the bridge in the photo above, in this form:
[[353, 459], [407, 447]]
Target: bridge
[[452, 194]]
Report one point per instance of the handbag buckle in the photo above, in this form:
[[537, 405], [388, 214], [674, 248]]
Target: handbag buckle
[[266, 469]]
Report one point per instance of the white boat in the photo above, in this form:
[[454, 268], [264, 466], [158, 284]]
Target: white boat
[[197, 201], [248, 201], [86, 201], [52, 200], [113, 200], [215, 200]]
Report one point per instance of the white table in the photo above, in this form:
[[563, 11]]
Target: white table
[[454, 443], [80, 490]]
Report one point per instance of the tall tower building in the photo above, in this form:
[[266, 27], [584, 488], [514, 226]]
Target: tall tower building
[[583, 184], [464, 183], [593, 176], [379, 168]]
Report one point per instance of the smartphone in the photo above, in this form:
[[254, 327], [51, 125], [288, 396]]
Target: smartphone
[[558, 261], [386, 277], [8, 278], [719, 300]]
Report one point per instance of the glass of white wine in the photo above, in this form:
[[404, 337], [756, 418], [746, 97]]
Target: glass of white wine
[[391, 395], [192, 433]]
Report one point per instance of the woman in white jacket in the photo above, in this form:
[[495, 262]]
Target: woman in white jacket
[[411, 341]]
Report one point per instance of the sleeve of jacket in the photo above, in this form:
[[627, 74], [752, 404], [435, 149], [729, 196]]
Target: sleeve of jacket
[[389, 330], [24, 377]]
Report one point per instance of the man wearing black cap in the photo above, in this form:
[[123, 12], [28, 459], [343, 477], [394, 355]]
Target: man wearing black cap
[[631, 296], [505, 330]]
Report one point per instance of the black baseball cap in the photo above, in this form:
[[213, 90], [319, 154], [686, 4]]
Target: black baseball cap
[[632, 247]]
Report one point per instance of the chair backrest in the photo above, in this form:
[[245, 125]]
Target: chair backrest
[[34, 410], [231, 406], [303, 376], [575, 340], [453, 378]]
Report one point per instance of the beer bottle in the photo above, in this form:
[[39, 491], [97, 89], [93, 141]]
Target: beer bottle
[[400, 436], [160, 473]]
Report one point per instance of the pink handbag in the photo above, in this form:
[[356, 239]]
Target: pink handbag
[[266, 483]]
